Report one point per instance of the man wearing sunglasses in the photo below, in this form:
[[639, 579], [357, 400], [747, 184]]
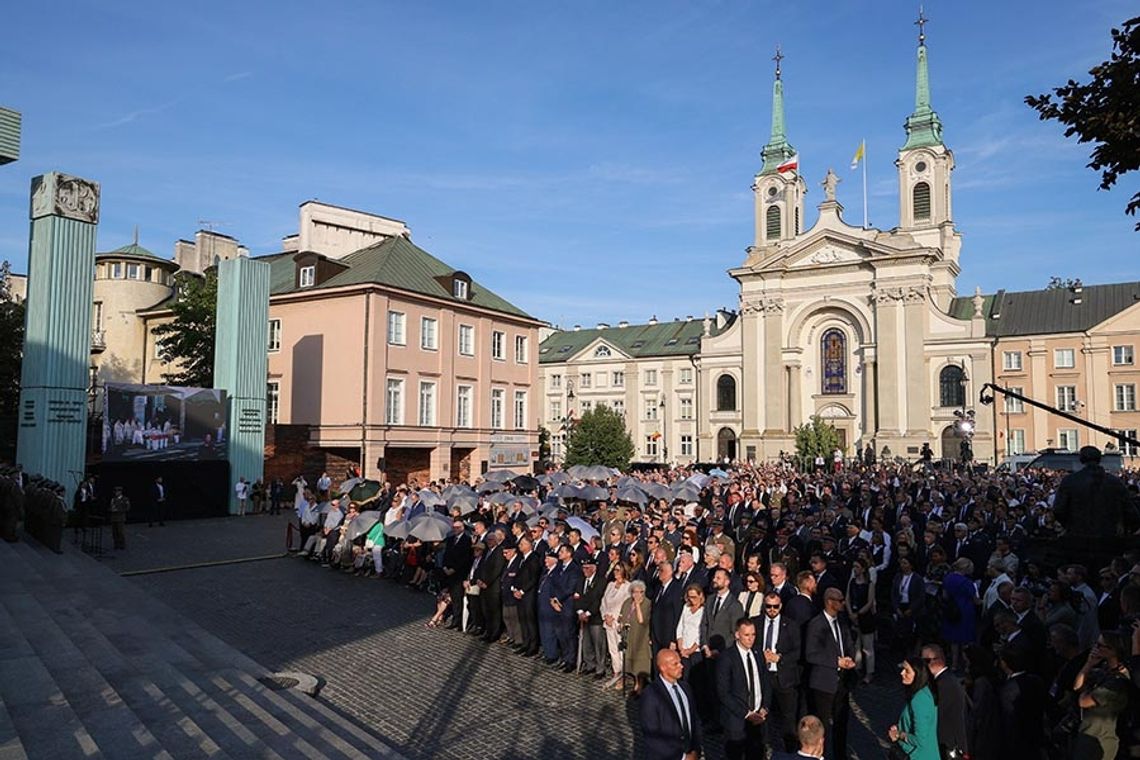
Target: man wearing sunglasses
[[779, 641]]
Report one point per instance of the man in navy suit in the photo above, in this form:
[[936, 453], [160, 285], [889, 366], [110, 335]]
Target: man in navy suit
[[567, 581], [669, 721], [667, 603], [744, 690], [778, 638], [810, 736]]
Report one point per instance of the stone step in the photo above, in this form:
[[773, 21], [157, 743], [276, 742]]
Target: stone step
[[11, 748]]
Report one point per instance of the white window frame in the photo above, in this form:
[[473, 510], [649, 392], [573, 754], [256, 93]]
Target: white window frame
[[429, 333], [427, 405], [555, 382], [459, 289], [134, 272], [272, 401], [274, 336], [651, 409], [521, 349], [585, 380], [520, 410], [117, 270], [686, 408], [394, 401], [650, 377], [619, 379], [1124, 397], [1011, 361], [587, 406], [686, 445], [498, 401], [464, 404], [1015, 405], [1069, 438], [1016, 443], [1064, 352], [1127, 449], [685, 376], [650, 446], [308, 276], [1066, 402], [556, 409], [498, 345], [618, 405], [397, 328], [466, 344], [157, 345], [1123, 356]]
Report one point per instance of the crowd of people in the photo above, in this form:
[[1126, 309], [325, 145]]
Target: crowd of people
[[750, 603]]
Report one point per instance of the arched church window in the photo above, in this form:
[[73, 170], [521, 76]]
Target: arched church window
[[951, 388], [921, 202], [773, 227], [833, 358], [726, 393]]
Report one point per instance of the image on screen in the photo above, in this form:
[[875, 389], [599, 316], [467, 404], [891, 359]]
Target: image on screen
[[163, 422]]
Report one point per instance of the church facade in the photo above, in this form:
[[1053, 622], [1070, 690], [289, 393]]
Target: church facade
[[849, 323]]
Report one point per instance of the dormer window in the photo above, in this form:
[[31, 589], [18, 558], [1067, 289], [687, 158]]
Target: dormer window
[[307, 276], [602, 352], [459, 289]]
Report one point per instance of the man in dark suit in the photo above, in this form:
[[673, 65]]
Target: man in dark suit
[[809, 733], [825, 577], [1021, 604], [780, 645], [158, 514], [569, 580], [457, 557], [950, 698], [668, 599], [525, 592], [669, 721], [781, 584], [801, 607], [489, 577], [908, 592], [588, 609], [829, 652], [722, 610], [744, 690], [1021, 700]]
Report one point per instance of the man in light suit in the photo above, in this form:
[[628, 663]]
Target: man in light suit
[[669, 721], [744, 690], [829, 648], [810, 734], [950, 698]]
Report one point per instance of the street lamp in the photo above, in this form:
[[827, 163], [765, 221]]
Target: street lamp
[[965, 421], [664, 431]]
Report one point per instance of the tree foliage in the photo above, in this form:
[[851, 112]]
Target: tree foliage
[[600, 437], [187, 343], [816, 438], [543, 444], [11, 354], [1105, 111]]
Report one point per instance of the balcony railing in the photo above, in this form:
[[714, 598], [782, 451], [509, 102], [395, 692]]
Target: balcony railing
[[98, 341]]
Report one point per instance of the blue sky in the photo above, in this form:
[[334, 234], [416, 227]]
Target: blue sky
[[588, 160]]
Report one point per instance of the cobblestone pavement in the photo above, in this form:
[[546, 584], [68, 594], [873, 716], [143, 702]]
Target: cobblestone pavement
[[431, 693]]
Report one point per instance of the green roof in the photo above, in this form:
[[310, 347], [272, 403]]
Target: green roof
[[681, 338], [1053, 310], [134, 249], [396, 262]]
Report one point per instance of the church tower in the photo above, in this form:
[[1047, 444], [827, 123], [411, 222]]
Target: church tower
[[925, 165], [778, 187]]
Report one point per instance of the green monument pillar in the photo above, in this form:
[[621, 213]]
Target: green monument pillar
[[241, 363], [9, 135], [57, 328]]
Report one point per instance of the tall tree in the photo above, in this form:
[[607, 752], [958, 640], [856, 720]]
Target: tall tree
[[599, 437], [815, 438], [187, 343], [11, 354], [1104, 111]]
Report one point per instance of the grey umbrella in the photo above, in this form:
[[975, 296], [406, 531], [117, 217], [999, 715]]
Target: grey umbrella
[[567, 491], [656, 490], [633, 496], [399, 529], [431, 499], [526, 483], [595, 493], [501, 476], [429, 527], [466, 503], [455, 489], [363, 523], [349, 484], [490, 486], [578, 472], [503, 497], [597, 472]]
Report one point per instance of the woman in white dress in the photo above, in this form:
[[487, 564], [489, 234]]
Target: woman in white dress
[[616, 594], [689, 643]]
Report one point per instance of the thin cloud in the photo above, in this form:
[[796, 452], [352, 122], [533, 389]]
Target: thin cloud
[[237, 76], [136, 115]]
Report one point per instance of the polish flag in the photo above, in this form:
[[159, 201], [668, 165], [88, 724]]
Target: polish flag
[[791, 164]]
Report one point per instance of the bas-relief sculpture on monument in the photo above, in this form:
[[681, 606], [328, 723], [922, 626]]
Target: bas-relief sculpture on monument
[[66, 196]]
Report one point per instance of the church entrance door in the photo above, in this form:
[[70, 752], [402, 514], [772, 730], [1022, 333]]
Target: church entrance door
[[725, 444], [950, 443]]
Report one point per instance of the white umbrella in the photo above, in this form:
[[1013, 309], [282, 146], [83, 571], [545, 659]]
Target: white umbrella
[[588, 531], [430, 527], [349, 484], [430, 498], [501, 476]]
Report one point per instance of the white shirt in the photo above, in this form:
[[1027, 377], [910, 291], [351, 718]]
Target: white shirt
[[904, 588], [241, 489], [680, 704], [689, 626], [746, 656], [763, 634], [831, 623]]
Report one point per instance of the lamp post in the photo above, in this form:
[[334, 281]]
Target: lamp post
[[664, 431], [966, 422]]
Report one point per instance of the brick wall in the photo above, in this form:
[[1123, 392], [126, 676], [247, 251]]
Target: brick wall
[[289, 453], [406, 465]]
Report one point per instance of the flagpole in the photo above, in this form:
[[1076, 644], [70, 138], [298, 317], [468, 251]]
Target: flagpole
[[865, 225]]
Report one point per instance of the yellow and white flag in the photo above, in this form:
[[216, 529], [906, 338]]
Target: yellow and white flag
[[859, 154]]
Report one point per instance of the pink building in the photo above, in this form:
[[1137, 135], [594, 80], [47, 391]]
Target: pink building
[[394, 360]]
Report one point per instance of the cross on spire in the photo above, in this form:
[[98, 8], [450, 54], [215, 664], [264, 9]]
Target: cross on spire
[[777, 58], [921, 24]]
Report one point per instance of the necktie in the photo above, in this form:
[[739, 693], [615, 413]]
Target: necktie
[[588, 582], [682, 579], [751, 683], [768, 636], [716, 605], [686, 730], [838, 637]]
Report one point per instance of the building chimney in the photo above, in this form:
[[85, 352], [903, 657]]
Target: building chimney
[[623, 324], [603, 326], [653, 320], [577, 328]]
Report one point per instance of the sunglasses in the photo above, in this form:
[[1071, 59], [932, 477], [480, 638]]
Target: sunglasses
[[772, 606]]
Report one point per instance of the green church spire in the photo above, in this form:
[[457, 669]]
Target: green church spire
[[923, 127], [778, 150]]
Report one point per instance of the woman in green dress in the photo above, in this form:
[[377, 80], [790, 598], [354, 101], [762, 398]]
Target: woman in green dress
[[635, 616], [916, 733]]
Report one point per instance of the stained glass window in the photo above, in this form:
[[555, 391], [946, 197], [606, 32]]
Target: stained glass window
[[833, 356]]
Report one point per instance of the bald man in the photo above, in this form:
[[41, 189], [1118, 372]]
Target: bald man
[[669, 719]]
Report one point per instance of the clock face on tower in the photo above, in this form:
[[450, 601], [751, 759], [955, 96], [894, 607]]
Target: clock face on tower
[[920, 167], [772, 191]]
